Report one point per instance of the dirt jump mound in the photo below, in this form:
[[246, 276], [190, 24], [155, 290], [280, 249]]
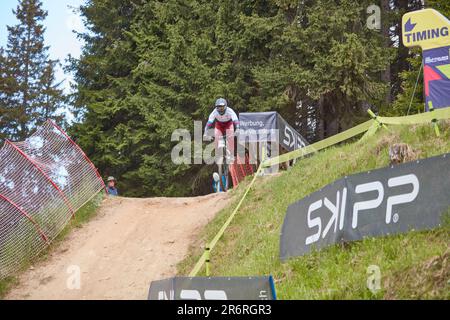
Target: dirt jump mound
[[127, 245]]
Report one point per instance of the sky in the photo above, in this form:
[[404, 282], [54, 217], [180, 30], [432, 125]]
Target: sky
[[60, 22]]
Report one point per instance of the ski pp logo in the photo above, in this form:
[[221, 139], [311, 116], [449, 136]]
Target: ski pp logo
[[426, 28]]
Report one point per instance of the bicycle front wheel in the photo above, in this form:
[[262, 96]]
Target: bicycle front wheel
[[223, 174]]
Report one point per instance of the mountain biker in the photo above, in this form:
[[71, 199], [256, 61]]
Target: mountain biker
[[225, 122]]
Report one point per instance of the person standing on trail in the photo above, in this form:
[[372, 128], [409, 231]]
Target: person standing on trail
[[111, 188], [225, 123]]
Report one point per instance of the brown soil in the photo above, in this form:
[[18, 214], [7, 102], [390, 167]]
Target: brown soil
[[130, 243]]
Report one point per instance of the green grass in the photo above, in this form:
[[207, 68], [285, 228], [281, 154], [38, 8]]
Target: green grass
[[82, 216], [412, 265]]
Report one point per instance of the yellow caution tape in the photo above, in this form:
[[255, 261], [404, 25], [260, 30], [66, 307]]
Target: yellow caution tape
[[427, 117], [206, 254], [363, 127], [370, 126], [372, 130]]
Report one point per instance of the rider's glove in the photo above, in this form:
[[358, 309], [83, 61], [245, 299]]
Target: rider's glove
[[207, 138]]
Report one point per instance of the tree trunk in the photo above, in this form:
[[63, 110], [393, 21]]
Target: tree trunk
[[385, 24], [321, 120]]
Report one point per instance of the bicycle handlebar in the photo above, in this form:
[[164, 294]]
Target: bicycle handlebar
[[234, 134]]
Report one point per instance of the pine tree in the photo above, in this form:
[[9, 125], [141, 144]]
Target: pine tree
[[150, 67], [52, 97], [4, 112], [324, 65], [107, 121], [31, 95]]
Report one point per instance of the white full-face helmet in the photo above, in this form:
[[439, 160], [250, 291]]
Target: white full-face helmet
[[221, 106]]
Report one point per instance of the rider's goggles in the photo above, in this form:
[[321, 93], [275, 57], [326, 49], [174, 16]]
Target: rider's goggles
[[220, 108]]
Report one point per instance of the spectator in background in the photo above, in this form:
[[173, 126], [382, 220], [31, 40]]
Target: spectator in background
[[111, 188], [216, 182]]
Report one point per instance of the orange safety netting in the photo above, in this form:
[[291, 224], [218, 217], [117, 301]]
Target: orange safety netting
[[240, 169], [44, 180]]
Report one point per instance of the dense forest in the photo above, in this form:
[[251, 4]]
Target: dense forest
[[150, 67]]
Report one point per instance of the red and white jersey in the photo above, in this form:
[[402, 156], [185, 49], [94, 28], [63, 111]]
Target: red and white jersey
[[228, 116]]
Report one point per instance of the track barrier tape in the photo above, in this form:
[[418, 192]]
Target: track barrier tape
[[363, 127], [375, 117], [428, 117], [372, 130], [422, 118]]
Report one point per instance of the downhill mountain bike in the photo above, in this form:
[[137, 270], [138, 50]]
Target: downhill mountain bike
[[223, 159]]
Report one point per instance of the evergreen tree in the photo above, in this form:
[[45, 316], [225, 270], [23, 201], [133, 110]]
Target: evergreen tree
[[28, 90], [4, 112], [52, 96], [401, 61], [149, 67], [108, 122], [324, 65]]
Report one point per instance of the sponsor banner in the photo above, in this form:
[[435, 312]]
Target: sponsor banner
[[289, 138], [437, 57], [257, 126], [398, 199], [437, 77], [426, 28], [439, 95], [430, 30], [271, 127], [215, 288]]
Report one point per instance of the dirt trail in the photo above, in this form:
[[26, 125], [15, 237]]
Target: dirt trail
[[127, 245]]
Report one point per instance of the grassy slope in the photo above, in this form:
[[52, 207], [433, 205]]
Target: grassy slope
[[83, 215], [413, 265]]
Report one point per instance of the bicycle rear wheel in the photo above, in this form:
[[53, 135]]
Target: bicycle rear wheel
[[223, 172]]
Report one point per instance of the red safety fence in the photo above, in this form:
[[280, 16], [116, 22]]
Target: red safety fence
[[44, 180], [240, 169]]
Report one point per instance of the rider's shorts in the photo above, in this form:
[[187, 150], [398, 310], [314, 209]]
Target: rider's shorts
[[224, 126]]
